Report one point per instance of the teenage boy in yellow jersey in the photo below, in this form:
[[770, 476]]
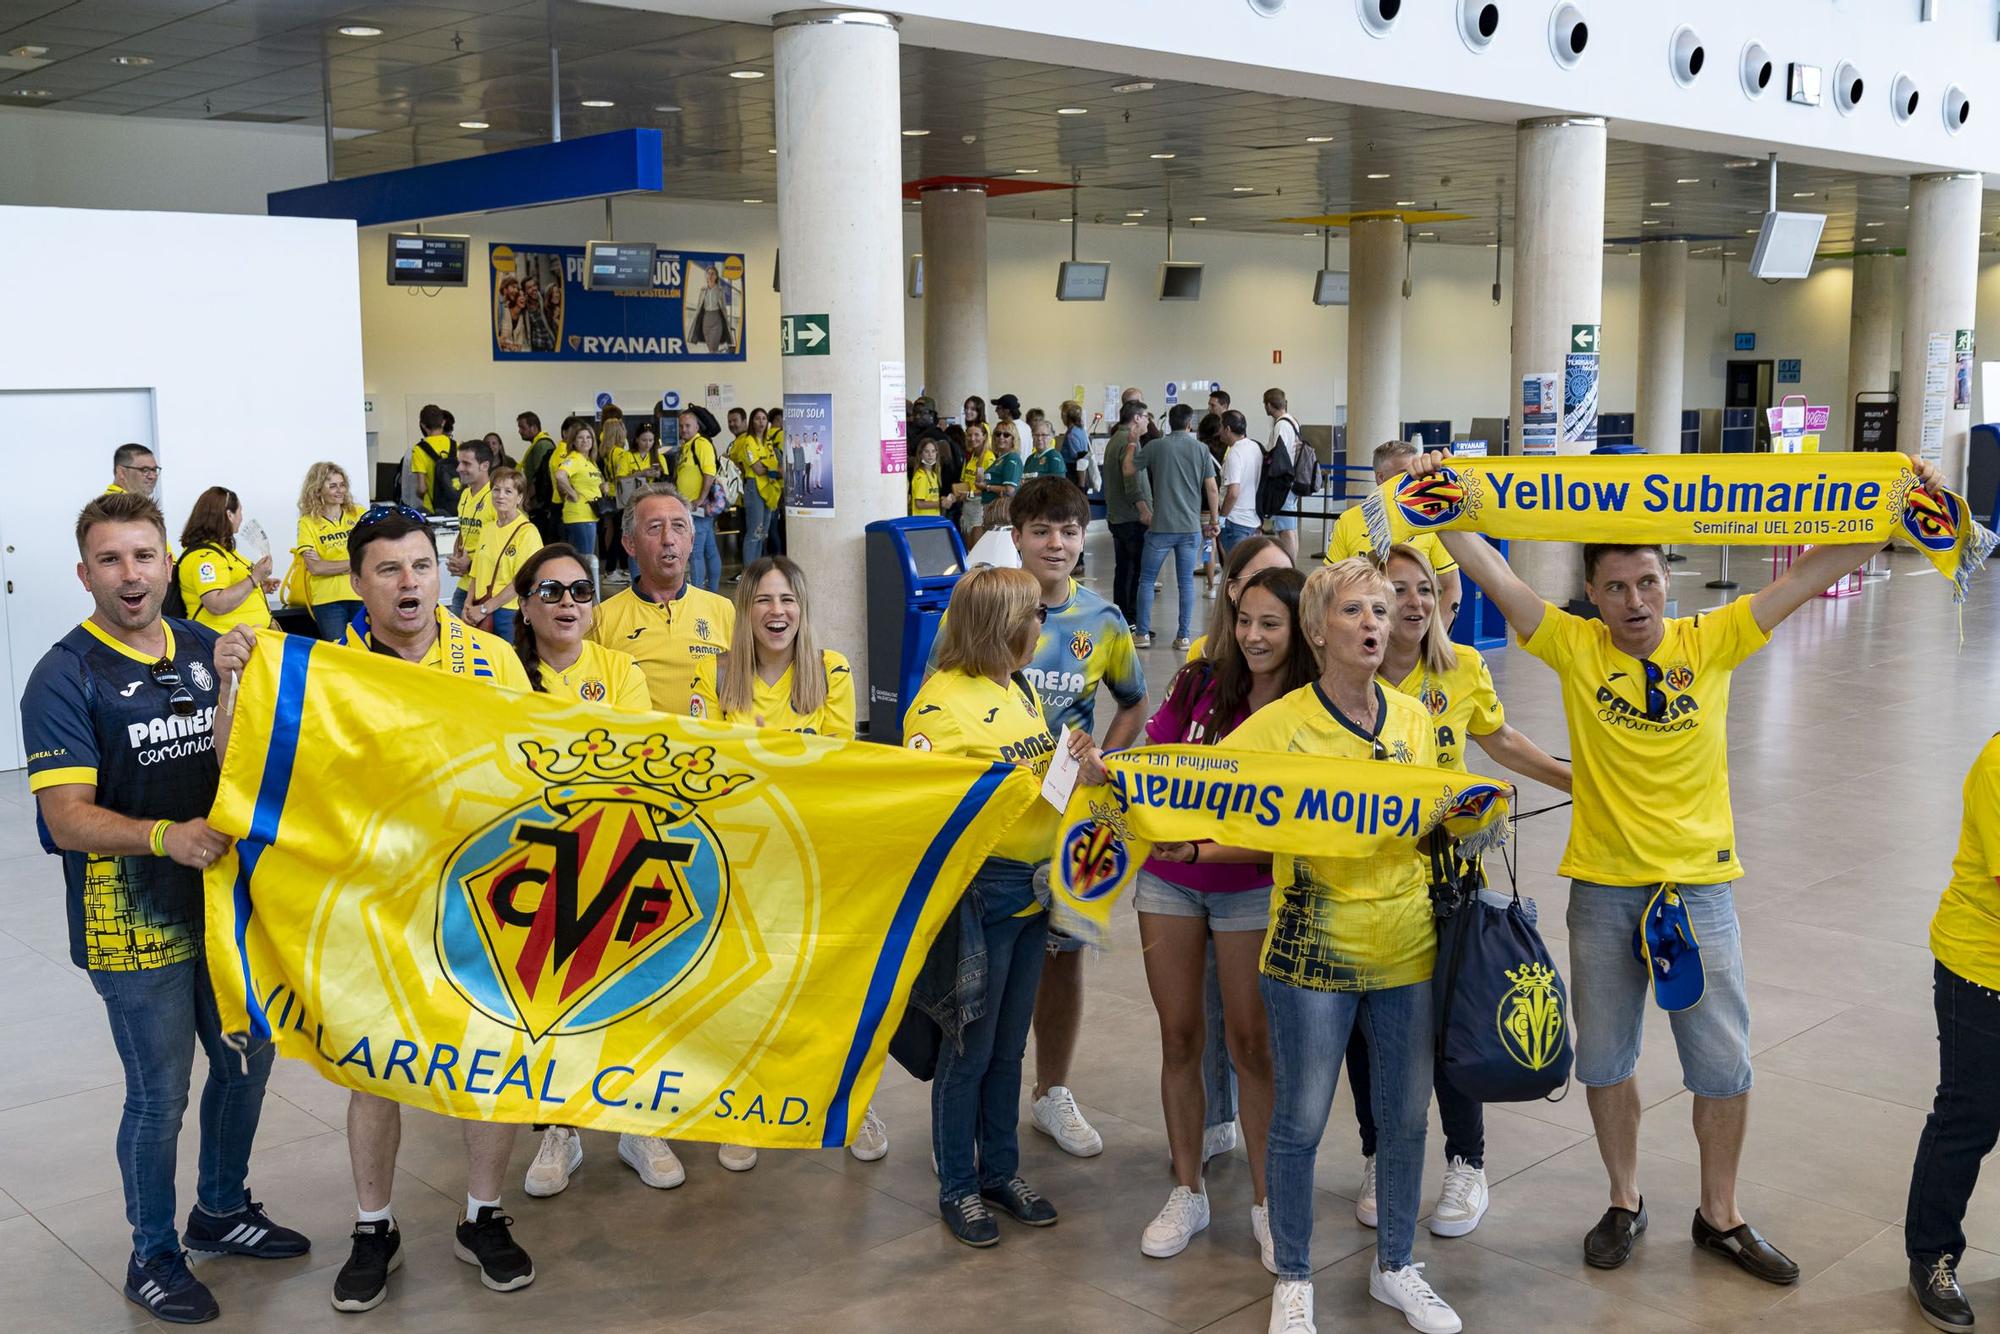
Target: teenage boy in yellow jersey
[[1965, 1117], [1647, 702], [393, 565], [434, 451], [663, 620], [475, 514], [1350, 530]]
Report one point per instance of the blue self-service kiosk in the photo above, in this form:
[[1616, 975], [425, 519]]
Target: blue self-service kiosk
[[912, 565]]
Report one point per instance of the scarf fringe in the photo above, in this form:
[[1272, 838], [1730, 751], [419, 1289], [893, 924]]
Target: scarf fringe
[[1482, 841], [1978, 547], [1375, 514]]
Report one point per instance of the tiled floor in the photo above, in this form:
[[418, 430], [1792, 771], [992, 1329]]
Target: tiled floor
[[1850, 735]]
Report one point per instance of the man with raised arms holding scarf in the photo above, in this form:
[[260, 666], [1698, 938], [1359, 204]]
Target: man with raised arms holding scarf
[[1646, 698]]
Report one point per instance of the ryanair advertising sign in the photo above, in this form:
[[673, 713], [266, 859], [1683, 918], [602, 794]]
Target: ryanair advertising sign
[[693, 311], [612, 921]]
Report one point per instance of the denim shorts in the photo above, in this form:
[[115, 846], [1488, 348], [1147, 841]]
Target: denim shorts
[[1610, 990], [1234, 910], [1282, 523]]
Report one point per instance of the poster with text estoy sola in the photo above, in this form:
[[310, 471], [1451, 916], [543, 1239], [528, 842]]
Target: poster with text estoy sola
[[693, 312]]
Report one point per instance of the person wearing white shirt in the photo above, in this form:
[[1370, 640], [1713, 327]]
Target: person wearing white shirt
[[1242, 466]]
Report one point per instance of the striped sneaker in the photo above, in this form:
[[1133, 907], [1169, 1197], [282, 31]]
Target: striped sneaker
[[168, 1289], [249, 1231]]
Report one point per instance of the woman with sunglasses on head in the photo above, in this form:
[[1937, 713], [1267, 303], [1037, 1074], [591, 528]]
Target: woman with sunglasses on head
[[558, 606], [1186, 909], [774, 675], [1451, 681], [222, 590], [979, 705]]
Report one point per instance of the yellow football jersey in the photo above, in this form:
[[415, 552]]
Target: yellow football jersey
[[772, 706], [600, 676], [1350, 538], [668, 639], [1652, 794], [1346, 923], [974, 716], [500, 554], [475, 513], [1461, 702], [924, 491], [327, 539], [1965, 933], [697, 457], [211, 569]]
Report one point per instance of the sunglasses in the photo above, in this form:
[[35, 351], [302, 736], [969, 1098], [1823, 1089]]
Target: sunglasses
[[166, 676], [551, 591], [1381, 752], [377, 513], [1656, 698]]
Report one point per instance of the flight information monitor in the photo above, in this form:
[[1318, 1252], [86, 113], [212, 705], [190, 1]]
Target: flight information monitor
[[426, 259], [618, 266]]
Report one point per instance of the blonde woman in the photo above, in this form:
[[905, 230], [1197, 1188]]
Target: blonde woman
[[326, 513], [776, 676], [972, 483], [979, 704], [580, 482]]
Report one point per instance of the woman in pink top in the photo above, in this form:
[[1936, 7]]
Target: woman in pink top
[[1183, 903]]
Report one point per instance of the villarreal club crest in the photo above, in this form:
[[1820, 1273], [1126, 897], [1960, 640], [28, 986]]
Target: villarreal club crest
[[595, 900]]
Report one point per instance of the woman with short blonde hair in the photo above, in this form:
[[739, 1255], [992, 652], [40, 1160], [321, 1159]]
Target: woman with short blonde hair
[[991, 632]]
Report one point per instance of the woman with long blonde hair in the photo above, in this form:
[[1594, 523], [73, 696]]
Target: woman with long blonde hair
[[326, 513]]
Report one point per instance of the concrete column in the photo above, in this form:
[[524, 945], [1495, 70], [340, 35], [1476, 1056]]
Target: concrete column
[[1871, 349], [1558, 283], [840, 228], [1941, 284], [1662, 344], [954, 220], [1374, 335]]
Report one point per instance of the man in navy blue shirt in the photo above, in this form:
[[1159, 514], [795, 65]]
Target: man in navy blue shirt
[[119, 720]]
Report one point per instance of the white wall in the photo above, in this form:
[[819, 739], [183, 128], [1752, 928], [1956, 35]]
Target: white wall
[[63, 159], [245, 329]]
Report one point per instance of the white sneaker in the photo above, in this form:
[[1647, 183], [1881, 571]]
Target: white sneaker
[[1056, 1116], [1185, 1214], [736, 1157], [653, 1159], [560, 1154], [1217, 1140], [1292, 1309], [1260, 1228], [1462, 1201], [1406, 1290], [1364, 1203], [871, 1142]]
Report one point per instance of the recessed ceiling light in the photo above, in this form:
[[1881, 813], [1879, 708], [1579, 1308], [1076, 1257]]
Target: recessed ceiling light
[[666, 108], [1319, 138], [1027, 171], [1128, 224], [772, 151], [1421, 235], [598, 103], [1137, 213], [474, 125], [1687, 180], [1202, 218], [131, 60], [1378, 175], [27, 92], [1065, 220], [358, 30], [1241, 189], [1142, 86], [1740, 163], [1752, 231], [915, 134], [1406, 203], [746, 74], [753, 201], [1878, 224], [1870, 240], [28, 52], [1072, 111], [1649, 222], [1492, 245], [1660, 203], [1802, 194], [1161, 157]]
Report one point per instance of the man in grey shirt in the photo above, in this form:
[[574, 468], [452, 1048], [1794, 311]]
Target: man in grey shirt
[[1173, 484], [1121, 510]]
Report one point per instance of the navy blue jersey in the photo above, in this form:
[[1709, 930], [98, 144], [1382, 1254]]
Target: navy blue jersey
[[93, 715]]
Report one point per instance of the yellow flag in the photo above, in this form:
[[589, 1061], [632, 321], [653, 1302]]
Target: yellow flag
[[1725, 499], [1290, 804], [517, 908]]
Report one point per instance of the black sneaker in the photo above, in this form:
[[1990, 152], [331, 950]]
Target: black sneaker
[[249, 1231], [363, 1281], [486, 1242], [970, 1221], [1935, 1286], [168, 1289], [1018, 1198]]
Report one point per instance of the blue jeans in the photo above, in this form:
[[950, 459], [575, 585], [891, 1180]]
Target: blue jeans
[[503, 624], [582, 536], [706, 570], [976, 1092], [332, 619], [756, 524], [458, 599], [157, 1015], [1463, 1118], [1218, 1072], [1309, 1031], [1232, 533], [1183, 546]]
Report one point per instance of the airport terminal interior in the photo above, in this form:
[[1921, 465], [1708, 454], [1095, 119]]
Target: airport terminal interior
[[255, 235]]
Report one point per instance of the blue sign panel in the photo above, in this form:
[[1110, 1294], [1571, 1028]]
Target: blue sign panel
[[1789, 369], [1746, 342], [693, 312]]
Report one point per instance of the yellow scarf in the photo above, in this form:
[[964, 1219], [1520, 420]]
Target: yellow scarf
[[1714, 499], [1291, 805]]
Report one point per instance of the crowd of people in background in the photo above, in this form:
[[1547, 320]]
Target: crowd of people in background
[[1269, 974]]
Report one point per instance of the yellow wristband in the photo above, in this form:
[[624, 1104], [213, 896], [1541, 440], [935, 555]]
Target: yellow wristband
[[159, 837]]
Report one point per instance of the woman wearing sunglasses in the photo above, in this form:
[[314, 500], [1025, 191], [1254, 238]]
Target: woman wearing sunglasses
[[979, 705], [557, 606]]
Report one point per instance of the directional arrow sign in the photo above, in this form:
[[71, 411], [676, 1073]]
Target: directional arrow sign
[[804, 335], [1583, 337]]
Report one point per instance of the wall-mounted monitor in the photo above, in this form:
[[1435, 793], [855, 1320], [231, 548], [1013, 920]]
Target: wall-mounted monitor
[[1786, 244], [427, 259], [1082, 280], [1180, 281], [618, 266], [1330, 288]]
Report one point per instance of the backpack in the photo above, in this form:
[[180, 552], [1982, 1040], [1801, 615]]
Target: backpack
[[176, 601], [443, 497], [1277, 479], [1305, 467]]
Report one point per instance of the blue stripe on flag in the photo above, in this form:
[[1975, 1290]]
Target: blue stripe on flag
[[882, 982], [270, 806]]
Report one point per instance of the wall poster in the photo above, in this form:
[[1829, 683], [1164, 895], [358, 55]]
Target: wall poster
[[541, 312]]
